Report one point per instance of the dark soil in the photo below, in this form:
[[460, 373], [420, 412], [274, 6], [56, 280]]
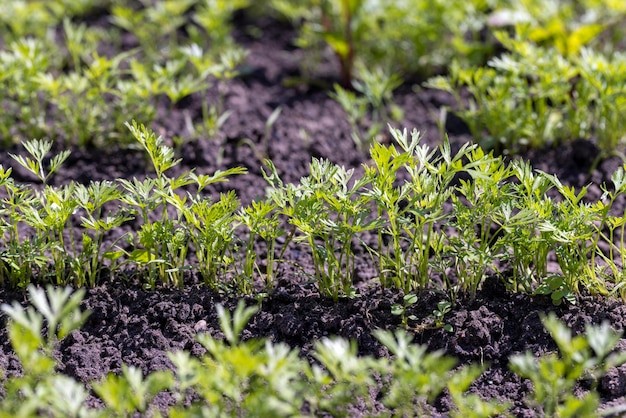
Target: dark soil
[[137, 327]]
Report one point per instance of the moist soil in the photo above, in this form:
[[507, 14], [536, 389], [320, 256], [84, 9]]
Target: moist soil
[[131, 325]]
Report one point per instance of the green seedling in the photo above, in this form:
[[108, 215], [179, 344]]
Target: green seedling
[[557, 288], [81, 41], [371, 106], [328, 212], [517, 101], [417, 377], [215, 18], [153, 23], [527, 233], [38, 150], [477, 206], [401, 309], [412, 211], [130, 392], [21, 19], [102, 88], [562, 24], [344, 376], [92, 199], [340, 25], [502, 215], [472, 405], [408, 36], [21, 62], [553, 376], [616, 236], [443, 307], [434, 321], [60, 310], [163, 245], [247, 377], [39, 389], [211, 227], [244, 377], [157, 246], [261, 220], [210, 69]]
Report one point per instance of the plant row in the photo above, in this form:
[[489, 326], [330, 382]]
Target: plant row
[[52, 64], [559, 78], [537, 73], [261, 378], [426, 218]]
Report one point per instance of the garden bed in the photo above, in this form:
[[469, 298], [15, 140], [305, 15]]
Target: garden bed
[[132, 325]]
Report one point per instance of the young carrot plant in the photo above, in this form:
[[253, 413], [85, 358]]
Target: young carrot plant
[[21, 61], [130, 393], [40, 389], [248, 377], [49, 212], [163, 245], [527, 232], [155, 25], [261, 220], [567, 26], [211, 227], [371, 106], [407, 35], [515, 101], [479, 208], [614, 233], [339, 25], [211, 68], [576, 237], [329, 212], [417, 376], [412, 211], [472, 405], [534, 96], [344, 377], [604, 81], [20, 19], [215, 18], [89, 263], [553, 376]]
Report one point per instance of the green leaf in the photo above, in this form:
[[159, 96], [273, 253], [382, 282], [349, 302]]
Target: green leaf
[[142, 256], [337, 43], [582, 36], [233, 326]]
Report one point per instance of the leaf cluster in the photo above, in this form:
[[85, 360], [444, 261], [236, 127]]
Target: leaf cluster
[[409, 37], [440, 219], [551, 85], [45, 78], [261, 378]]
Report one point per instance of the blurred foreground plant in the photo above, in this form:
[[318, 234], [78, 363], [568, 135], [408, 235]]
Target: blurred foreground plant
[[258, 377], [588, 356]]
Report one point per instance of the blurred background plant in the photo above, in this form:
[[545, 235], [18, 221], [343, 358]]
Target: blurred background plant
[[52, 63], [415, 37], [369, 105], [559, 79]]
